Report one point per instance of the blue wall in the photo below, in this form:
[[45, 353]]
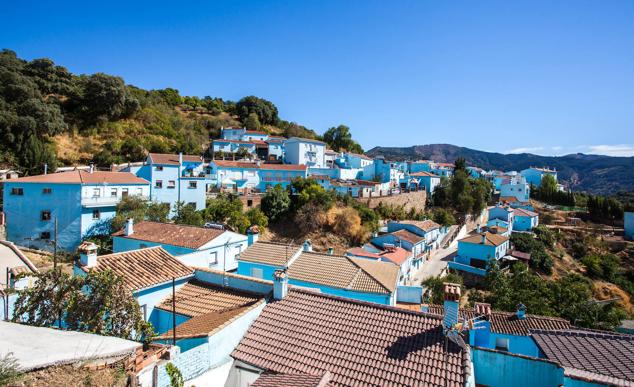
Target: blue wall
[[629, 225], [120, 244], [524, 223], [384, 299], [495, 368], [245, 268], [155, 295], [23, 214]]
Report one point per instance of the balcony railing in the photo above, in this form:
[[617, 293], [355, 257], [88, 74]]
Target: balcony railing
[[99, 201]]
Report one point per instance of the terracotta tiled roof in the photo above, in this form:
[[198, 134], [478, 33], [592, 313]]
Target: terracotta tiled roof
[[209, 307], [508, 199], [171, 159], [190, 237], [361, 252], [361, 344], [292, 380], [255, 132], [398, 256], [344, 272], [425, 225], [408, 236], [520, 255], [490, 239], [508, 323], [269, 253], [306, 140], [424, 174], [523, 212], [84, 177], [602, 357], [283, 167], [234, 141], [143, 268]]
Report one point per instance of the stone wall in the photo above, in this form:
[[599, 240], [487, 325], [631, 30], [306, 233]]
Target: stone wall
[[409, 200]]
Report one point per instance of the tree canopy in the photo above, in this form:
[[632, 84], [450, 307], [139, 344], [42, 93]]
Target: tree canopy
[[339, 139]]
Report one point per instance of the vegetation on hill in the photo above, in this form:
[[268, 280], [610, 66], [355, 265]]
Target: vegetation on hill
[[51, 116], [589, 173]]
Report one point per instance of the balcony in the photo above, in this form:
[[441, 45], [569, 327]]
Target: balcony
[[99, 201]]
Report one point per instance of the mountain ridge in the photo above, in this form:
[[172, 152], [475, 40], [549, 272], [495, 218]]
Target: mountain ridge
[[596, 174]]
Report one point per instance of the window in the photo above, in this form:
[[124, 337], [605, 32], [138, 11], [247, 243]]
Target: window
[[45, 235], [124, 192], [249, 202], [501, 344], [257, 272], [213, 258], [96, 214], [96, 192], [159, 167], [47, 191], [192, 205], [45, 215], [113, 192], [171, 184], [17, 191], [193, 184], [158, 184], [139, 191], [144, 310]]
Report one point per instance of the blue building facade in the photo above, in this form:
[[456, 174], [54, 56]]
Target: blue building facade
[[535, 175], [80, 202], [476, 251], [628, 222]]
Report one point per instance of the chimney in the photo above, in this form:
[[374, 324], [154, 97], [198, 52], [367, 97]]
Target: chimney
[[484, 238], [253, 234], [280, 284], [45, 168], [331, 251], [88, 254], [129, 227], [308, 247], [478, 228], [92, 168], [451, 304], [180, 158], [521, 311], [482, 309]]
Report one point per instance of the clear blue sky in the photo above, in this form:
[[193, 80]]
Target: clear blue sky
[[550, 77]]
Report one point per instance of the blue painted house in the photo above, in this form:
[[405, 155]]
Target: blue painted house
[[405, 239], [17, 270], [303, 151], [501, 215], [475, 252], [516, 189], [428, 229], [79, 202], [148, 273], [525, 220], [194, 246], [176, 178], [628, 222], [233, 146], [350, 277], [213, 312], [427, 180], [534, 175], [244, 177], [232, 133]]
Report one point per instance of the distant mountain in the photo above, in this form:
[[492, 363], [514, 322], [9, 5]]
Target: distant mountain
[[590, 173]]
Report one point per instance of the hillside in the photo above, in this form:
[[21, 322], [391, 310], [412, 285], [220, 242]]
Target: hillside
[[50, 116], [590, 173]]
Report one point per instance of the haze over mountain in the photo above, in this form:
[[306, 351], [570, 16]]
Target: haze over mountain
[[581, 172]]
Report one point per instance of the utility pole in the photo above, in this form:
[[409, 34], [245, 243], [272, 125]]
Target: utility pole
[[173, 310], [55, 246]]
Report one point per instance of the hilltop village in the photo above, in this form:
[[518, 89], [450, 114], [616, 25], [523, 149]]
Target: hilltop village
[[216, 301]]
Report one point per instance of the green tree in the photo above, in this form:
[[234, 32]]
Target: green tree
[[187, 214], [265, 110], [339, 138], [47, 300], [257, 218], [275, 203], [105, 306], [252, 122], [9, 369], [176, 378]]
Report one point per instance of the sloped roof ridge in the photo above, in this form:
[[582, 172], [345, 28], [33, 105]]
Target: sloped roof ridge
[[364, 303], [358, 273], [583, 332]]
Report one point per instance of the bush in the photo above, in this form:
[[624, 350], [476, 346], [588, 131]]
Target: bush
[[309, 218], [604, 267], [275, 203]]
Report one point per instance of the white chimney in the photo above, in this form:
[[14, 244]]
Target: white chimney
[[331, 251], [308, 247], [521, 311], [88, 254], [92, 168], [451, 304], [280, 284], [45, 168], [253, 234], [484, 238], [180, 158], [129, 227]]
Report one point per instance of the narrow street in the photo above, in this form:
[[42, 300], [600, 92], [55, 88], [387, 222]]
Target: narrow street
[[438, 261]]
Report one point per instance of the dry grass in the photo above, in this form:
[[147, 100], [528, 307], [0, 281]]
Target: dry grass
[[70, 376]]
